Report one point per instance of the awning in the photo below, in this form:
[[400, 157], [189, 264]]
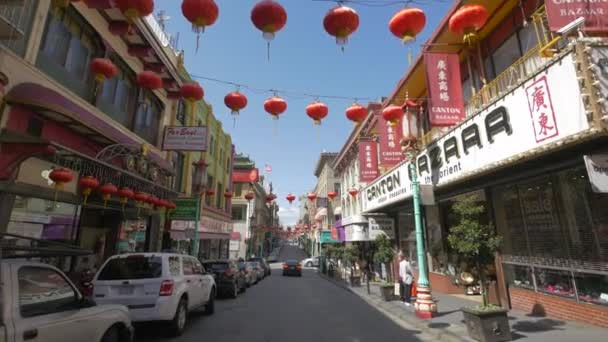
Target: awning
[[235, 236]]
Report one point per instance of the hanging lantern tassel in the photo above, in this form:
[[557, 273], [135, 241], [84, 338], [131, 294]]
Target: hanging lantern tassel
[[107, 190], [88, 184], [60, 177], [269, 17], [200, 13], [406, 25]]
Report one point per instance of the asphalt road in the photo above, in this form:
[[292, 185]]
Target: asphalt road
[[280, 309]]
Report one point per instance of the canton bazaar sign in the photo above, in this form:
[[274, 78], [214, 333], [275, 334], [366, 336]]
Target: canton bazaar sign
[[543, 110], [562, 12]]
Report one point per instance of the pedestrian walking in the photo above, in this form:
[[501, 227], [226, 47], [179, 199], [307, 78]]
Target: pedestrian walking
[[405, 279]]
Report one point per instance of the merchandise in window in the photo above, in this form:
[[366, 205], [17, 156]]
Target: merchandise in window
[[555, 282], [132, 236], [592, 288], [519, 276]]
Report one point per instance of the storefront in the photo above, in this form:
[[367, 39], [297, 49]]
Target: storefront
[[214, 236], [529, 177]]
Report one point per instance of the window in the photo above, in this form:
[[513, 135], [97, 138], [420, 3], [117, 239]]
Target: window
[[181, 112], [219, 195], [20, 16], [188, 266], [43, 291], [68, 46], [118, 95], [147, 117], [209, 186], [174, 266], [178, 161], [337, 189], [519, 276], [212, 146], [238, 214], [197, 267], [238, 189], [506, 54], [555, 282], [134, 266]]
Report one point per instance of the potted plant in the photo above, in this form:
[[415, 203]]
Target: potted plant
[[477, 243], [350, 255], [384, 254]]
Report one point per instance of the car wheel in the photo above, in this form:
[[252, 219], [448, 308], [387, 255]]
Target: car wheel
[[235, 291], [210, 306], [178, 324], [112, 335], [308, 264]]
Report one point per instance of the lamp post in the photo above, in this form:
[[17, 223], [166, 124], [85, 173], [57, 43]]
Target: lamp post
[[200, 170], [425, 306]]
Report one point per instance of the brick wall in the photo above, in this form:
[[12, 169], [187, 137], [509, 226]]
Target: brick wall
[[556, 307]]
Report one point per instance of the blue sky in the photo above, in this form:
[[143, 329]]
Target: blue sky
[[304, 59]]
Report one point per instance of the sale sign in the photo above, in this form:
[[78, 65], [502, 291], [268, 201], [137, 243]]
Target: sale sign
[[368, 160], [562, 12], [445, 88]]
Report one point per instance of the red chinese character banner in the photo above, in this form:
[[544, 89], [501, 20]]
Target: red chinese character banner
[[562, 12], [368, 160], [446, 106], [390, 150], [541, 110]]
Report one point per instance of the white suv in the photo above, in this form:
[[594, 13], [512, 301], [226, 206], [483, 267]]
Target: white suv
[[156, 287]]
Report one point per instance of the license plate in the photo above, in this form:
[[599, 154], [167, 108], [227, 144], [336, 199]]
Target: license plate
[[125, 290], [292, 267]]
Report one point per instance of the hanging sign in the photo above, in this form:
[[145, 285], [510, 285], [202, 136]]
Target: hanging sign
[[186, 209], [445, 88], [389, 138], [562, 12], [182, 138], [381, 226], [368, 160]]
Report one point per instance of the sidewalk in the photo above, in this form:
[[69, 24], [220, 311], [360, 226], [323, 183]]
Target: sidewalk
[[449, 326]]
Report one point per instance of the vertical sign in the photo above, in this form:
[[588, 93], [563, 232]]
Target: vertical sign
[[562, 12], [445, 88], [368, 160], [390, 137], [541, 110]]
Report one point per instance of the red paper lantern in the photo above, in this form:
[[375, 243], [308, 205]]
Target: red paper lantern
[[172, 205], [392, 114], [103, 69], [275, 106], [235, 101], [341, 22], [312, 196], [228, 195], [60, 177], [332, 194], [106, 191], [192, 92], [270, 197], [153, 201], [290, 198], [249, 196], [317, 111], [356, 113], [140, 197], [468, 20], [87, 185], [210, 192], [149, 80], [135, 9], [200, 13], [269, 17], [353, 192], [407, 23], [125, 194]]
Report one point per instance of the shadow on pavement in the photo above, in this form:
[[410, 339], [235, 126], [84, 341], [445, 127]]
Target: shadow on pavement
[[538, 326]]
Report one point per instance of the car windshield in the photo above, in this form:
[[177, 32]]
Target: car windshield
[[291, 262], [132, 267]]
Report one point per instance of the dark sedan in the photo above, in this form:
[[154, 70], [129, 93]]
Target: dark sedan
[[292, 268], [230, 280], [263, 264]]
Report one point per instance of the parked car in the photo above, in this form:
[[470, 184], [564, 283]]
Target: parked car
[[311, 262], [292, 267], [156, 287], [263, 264], [258, 270], [40, 303], [249, 273], [230, 280]]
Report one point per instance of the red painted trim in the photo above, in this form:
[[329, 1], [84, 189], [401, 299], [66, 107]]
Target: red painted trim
[[12, 154]]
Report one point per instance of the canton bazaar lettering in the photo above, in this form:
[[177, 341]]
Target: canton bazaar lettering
[[387, 188], [433, 164]]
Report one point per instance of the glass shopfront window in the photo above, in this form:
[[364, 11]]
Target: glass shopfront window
[[592, 288], [555, 282], [519, 276], [132, 236]]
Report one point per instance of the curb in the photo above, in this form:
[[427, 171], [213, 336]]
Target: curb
[[404, 320]]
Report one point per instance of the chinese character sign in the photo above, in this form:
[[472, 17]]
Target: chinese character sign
[[541, 110], [390, 150], [446, 106], [561, 12], [368, 160]]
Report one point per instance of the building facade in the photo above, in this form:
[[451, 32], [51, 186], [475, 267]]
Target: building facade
[[530, 151]]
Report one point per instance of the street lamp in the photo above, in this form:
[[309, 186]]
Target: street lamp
[[425, 306], [198, 187]]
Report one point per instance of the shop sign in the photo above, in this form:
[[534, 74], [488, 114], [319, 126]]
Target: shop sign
[[326, 237], [393, 187], [389, 139], [185, 138], [510, 128], [234, 245], [597, 169], [560, 13], [368, 160], [211, 225], [381, 226], [445, 88], [356, 232], [187, 209]]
